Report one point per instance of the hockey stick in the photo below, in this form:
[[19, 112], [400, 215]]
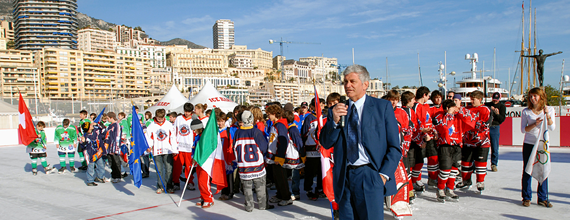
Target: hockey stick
[[158, 171], [186, 184], [332, 211]]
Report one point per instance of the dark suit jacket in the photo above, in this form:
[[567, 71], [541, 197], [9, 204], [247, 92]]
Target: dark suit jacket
[[380, 139]]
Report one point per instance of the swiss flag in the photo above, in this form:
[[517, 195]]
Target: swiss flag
[[26, 129], [326, 156]]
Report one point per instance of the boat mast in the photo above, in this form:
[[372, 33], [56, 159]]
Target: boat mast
[[534, 52], [522, 53], [529, 45]]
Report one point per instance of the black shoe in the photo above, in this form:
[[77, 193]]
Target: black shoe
[[124, 175], [145, 176], [269, 207], [100, 180], [312, 196], [82, 168], [92, 184]]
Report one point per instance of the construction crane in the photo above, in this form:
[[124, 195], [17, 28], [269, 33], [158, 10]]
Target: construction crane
[[281, 42]]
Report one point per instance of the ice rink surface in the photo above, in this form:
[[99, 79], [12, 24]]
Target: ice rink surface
[[66, 196]]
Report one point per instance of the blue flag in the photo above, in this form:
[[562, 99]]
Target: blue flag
[[98, 119], [138, 147]]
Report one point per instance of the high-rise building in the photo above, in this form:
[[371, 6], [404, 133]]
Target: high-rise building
[[223, 34], [45, 23]]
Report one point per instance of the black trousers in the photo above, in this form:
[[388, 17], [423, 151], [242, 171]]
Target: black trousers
[[229, 191], [312, 170], [280, 179], [115, 163]]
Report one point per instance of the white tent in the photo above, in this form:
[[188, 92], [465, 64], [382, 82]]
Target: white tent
[[209, 95], [170, 102]]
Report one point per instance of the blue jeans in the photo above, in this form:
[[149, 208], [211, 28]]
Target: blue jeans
[[494, 135], [296, 182], [542, 189], [99, 171]]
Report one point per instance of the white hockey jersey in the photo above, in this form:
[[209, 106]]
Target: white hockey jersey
[[184, 134], [161, 138]]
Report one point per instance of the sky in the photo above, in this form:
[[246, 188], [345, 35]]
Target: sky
[[377, 30]]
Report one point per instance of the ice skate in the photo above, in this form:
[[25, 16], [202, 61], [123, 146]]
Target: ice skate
[[35, 171], [432, 183], [419, 187], [464, 185], [61, 170], [440, 195], [480, 187], [451, 196]]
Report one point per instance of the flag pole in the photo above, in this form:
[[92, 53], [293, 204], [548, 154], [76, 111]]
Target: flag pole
[[186, 184], [158, 172]]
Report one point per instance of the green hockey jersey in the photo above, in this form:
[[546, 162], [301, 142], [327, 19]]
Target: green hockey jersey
[[66, 138], [37, 146]]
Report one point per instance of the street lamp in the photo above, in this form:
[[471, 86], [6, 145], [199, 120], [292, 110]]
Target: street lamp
[[442, 82]]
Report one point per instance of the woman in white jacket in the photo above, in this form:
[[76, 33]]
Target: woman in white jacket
[[532, 118]]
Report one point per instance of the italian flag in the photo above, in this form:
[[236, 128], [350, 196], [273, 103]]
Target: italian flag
[[209, 154]]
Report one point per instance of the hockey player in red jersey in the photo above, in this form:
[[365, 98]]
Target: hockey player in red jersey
[[431, 146], [476, 143], [399, 203], [450, 127], [422, 134], [408, 101]]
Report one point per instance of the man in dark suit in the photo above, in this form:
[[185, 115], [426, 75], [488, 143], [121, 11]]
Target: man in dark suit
[[367, 149]]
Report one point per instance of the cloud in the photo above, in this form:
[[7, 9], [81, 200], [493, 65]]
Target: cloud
[[201, 20]]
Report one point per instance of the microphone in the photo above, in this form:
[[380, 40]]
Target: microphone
[[341, 122]]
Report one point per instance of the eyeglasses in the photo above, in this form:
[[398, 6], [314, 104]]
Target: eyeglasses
[[449, 97]]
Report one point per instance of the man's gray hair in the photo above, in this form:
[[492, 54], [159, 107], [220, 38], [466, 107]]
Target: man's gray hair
[[358, 69]]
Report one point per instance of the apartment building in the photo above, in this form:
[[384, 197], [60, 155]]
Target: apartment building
[[277, 61], [94, 40], [6, 34], [18, 74], [74, 74], [321, 67], [285, 92], [259, 97], [155, 53], [224, 34], [239, 96], [297, 71], [260, 59], [48, 23], [129, 37]]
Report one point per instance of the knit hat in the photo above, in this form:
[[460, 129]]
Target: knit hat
[[247, 118], [196, 124], [85, 126], [496, 96], [457, 96]]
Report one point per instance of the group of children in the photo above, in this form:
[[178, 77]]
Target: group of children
[[453, 138]]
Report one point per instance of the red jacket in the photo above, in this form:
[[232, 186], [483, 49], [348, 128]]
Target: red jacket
[[424, 119]]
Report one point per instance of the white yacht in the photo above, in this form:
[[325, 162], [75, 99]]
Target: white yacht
[[566, 89], [471, 83]]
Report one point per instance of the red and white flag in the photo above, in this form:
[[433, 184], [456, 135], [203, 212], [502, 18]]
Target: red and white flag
[[326, 155], [26, 129]]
